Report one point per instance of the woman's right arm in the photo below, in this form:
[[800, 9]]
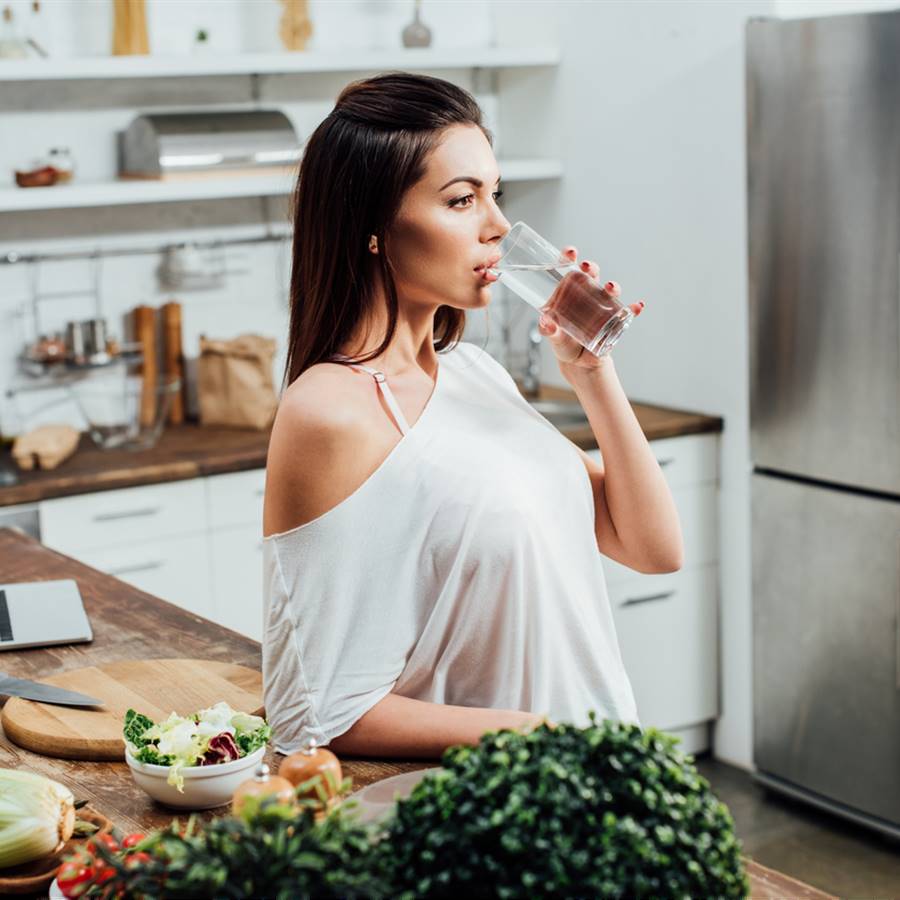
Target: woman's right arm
[[402, 727]]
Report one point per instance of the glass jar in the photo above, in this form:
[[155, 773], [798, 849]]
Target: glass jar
[[61, 160]]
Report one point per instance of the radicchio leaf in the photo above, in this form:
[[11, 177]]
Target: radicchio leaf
[[220, 749]]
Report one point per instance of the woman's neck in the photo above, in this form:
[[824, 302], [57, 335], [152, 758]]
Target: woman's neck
[[410, 348]]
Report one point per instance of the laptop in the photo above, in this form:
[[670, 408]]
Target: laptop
[[41, 613]]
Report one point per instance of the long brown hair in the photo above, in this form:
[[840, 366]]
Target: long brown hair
[[356, 167]]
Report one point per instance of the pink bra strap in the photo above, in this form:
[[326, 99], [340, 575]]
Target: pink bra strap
[[393, 406]]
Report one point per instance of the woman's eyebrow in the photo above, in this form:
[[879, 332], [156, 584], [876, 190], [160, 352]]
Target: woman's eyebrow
[[471, 179]]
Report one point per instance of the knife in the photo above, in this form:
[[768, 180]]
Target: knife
[[43, 693]]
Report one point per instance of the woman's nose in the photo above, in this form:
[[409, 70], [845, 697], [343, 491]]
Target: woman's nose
[[503, 226]]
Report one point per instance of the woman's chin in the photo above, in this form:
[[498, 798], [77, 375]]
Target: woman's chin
[[478, 300], [483, 296]]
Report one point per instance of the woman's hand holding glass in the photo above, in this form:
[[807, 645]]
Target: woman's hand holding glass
[[568, 351]]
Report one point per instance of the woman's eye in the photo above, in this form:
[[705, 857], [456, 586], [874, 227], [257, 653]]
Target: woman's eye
[[460, 201]]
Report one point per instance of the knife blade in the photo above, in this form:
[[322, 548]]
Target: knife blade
[[43, 693]]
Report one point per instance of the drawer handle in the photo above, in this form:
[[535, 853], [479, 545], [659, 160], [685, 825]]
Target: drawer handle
[[665, 462], [139, 567], [128, 514], [631, 601]]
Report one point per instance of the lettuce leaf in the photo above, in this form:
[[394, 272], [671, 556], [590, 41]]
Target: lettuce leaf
[[150, 754], [254, 740], [136, 724]]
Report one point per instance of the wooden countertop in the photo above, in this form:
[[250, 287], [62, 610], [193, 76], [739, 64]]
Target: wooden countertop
[[129, 624], [189, 451]]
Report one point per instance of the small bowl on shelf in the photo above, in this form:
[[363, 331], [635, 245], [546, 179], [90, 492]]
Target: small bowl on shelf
[[205, 787], [120, 414]]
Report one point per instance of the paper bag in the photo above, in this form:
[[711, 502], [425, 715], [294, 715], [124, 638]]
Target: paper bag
[[234, 381]]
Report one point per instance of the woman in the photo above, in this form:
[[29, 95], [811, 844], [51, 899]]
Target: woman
[[432, 544]]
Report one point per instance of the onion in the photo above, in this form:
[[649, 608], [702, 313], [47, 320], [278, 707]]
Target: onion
[[37, 816]]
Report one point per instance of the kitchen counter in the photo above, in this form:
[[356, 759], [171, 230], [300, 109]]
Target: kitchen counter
[[190, 450], [129, 624]]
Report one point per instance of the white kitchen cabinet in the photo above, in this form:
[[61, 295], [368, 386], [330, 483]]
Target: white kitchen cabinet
[[237, 586], [175, 569], [124, 516], [235, 518], [236, 498], [152, 536], [667, 625], [196, 543]]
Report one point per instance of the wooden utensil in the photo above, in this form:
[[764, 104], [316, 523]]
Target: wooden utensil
[[129, 28], [154, 687], [145, 334], [30, 878], [173, 360], [295, 27]]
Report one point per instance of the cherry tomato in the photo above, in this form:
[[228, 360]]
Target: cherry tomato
[[137, 859], [74, 878], [104, 873], [107, 840], [132, 840]]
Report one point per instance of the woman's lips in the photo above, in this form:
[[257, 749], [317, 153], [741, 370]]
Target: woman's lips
[[487, 275]]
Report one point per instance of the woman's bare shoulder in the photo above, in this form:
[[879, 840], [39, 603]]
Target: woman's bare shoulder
[[320, 397], [317, 445], [320, 411]]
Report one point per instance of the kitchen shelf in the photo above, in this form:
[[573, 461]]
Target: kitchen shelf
[[210, 64], [118, 193]]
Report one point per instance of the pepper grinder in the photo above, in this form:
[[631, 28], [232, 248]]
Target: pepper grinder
[[416, 34]]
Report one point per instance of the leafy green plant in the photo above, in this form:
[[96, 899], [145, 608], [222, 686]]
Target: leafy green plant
[[606, 811], [276, 852]]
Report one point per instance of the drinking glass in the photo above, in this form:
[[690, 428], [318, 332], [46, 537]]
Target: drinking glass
[[550, 282]]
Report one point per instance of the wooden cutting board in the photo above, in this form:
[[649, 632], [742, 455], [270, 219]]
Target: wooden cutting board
[[154, 687]]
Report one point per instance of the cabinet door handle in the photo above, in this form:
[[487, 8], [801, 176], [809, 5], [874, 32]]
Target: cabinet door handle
[[127, 514], [666, 462], [631, 601], [137, 567]]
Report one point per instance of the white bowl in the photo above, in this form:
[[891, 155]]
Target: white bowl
[[204, 786]]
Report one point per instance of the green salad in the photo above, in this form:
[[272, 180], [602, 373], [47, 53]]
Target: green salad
[[209, 736]]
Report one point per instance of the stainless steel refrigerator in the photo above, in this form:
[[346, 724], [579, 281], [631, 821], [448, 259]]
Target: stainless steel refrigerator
[[823, 114]]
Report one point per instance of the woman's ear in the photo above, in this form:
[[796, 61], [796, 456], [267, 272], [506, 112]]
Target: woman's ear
[[373, 244]]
